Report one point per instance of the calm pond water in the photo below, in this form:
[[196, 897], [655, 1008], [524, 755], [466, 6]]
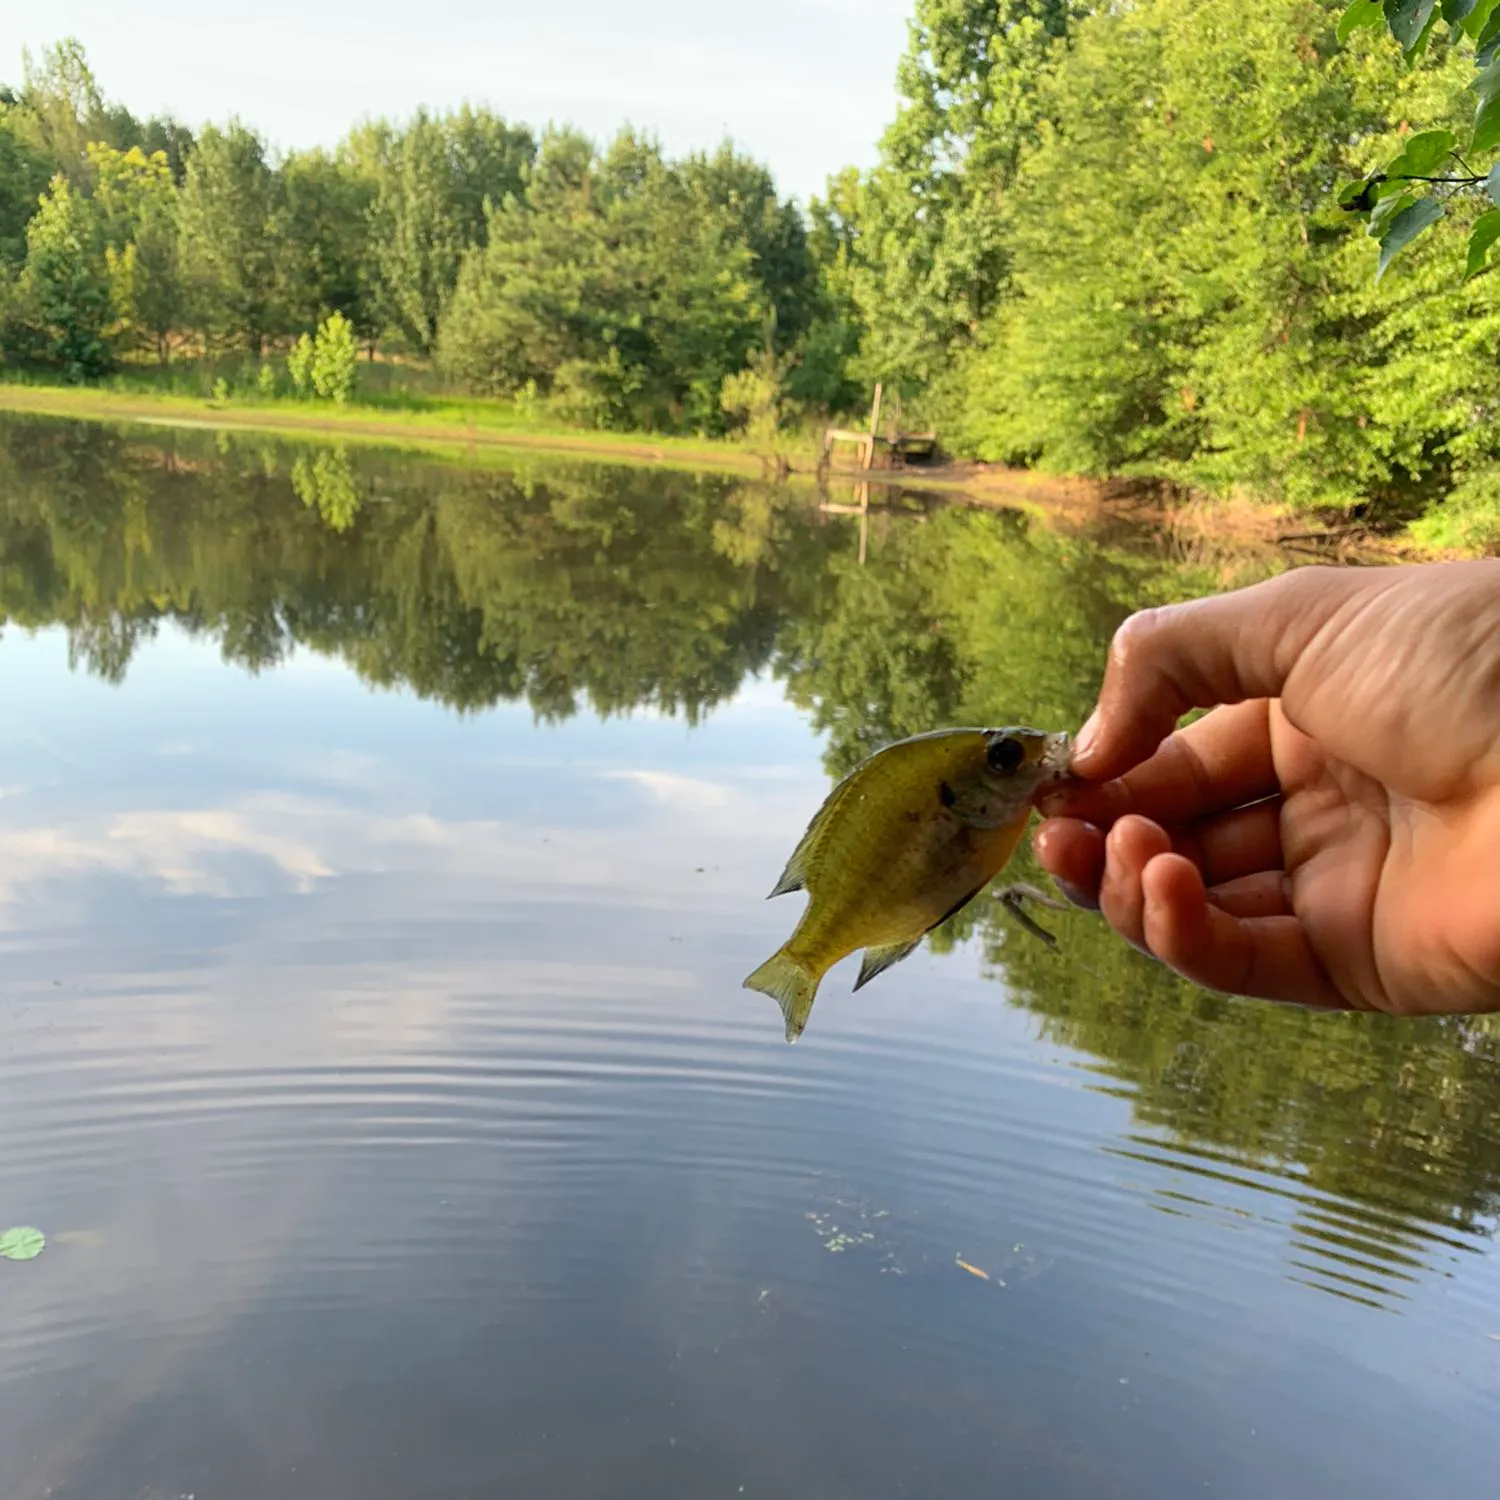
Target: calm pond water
[[382, 846]]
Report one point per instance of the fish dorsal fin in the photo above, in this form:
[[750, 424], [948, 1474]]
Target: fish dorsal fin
[[878, 960], [794, 877]]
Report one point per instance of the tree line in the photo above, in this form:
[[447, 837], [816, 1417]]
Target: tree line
[[1125, 238], [624, 284]]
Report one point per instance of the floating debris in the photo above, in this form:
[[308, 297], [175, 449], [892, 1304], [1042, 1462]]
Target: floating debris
[[22, 1243], [851, 1224], [903, 1244]]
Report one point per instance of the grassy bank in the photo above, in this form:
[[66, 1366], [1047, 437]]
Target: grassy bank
[[443, 422], [455, 429], [431, 422]]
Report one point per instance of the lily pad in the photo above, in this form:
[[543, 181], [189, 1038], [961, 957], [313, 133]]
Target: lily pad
[[22, 1243]]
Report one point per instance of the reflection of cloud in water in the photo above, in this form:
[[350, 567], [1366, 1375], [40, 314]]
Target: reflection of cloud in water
[[227, 851], [680, 791], [174, 849]]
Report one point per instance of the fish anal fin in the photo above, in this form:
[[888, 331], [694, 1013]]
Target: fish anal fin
[[878, 960], [791, 986], [793, 878]]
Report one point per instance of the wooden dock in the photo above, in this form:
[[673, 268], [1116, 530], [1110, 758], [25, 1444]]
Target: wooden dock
[[902, 448]]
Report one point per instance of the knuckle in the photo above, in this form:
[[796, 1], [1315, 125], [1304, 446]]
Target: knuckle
[[1132, 638]]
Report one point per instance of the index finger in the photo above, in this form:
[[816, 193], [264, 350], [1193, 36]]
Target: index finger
[[1220, 650]]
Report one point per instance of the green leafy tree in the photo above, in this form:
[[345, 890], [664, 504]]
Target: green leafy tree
[[61, 108], [135, 206], [24, 174], [1239, 345], [754, 398], [618, 284], [925, 233], [229, 216], [68, 279], [299, 365], [170, 137], [324, 229], [335, 359], [436, 177], [742, 191]]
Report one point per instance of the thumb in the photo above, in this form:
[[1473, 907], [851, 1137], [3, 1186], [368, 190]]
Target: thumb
[[1223, 649]]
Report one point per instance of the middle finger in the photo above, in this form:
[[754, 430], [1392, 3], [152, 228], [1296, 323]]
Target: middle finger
[[1129, 847]]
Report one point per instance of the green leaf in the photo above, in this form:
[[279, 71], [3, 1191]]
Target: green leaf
[[1421, 46], [1487, 43], [1358, 196], [22, 1243], [1484, 234], [1487, 124], [1404, 227], [1486, 82], [1386, 210], [1479, 17], [1456, 12], [1408, 20], [1361, 14], [1423, 152]]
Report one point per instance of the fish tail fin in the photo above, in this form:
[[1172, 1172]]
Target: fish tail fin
[[790, 985]]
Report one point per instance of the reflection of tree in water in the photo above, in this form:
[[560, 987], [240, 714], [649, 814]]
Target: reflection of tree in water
[[560, 584], [1374, 1141], [324, 482]]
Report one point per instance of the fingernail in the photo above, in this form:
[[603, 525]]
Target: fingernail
[[1076, 894], [1084, 745]]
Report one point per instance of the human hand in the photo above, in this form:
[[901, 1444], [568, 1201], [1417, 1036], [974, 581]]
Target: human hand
[[1330, 834]]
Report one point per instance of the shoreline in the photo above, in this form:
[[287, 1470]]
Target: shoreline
[[1193, 523]]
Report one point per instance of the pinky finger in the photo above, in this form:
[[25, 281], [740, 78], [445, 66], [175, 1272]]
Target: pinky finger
[[1266, 957]]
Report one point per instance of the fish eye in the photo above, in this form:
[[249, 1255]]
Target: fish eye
[[1006, 756]]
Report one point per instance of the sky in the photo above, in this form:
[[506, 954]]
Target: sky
[[804, 85]]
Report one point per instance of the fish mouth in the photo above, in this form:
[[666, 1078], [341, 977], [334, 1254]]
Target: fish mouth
[[1056, 757]]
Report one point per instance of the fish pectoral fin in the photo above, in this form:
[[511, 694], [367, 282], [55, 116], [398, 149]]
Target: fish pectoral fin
[[878, 960], [791, 986]]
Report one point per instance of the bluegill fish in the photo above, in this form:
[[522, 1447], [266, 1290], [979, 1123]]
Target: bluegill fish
[[905, 840]]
